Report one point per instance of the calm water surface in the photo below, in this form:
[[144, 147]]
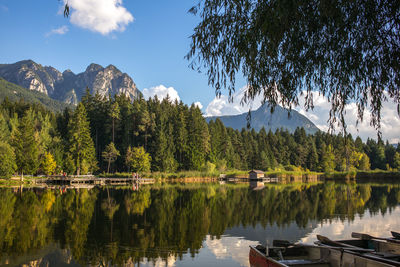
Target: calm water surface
[[183, 225]]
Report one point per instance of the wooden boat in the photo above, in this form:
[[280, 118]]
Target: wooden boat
[[311, 256], [382, 251], [382, 245]]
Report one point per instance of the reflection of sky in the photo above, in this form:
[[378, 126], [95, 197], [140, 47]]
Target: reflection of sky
[[231, 250], [375, 225]]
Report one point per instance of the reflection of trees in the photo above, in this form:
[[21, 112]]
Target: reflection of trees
[[137, 202], [170, 220], [78, 207]]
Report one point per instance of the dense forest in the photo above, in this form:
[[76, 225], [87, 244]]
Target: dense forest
[[169, 220], [116, 134]]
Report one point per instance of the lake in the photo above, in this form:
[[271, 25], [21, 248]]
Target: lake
[[183, 225]]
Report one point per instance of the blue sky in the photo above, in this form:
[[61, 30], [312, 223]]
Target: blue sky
[[151, 49], [146, 39]]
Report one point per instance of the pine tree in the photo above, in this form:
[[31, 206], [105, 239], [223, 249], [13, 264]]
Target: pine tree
[[180, 136], [4, 130], [26, 145], [7, 159], [114, 114], [198, 139], [81, 144], [110, 154]]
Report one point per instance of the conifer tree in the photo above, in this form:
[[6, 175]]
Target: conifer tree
[[198, 139], [81, 144], [396, 164], [110, 154], [4, 130], [26, 145], [114, 114], [7, 159]]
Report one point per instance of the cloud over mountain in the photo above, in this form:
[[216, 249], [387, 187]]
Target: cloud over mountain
[[390, 121], [161, 92]]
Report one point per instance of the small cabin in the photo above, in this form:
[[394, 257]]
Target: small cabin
[[256, 174]]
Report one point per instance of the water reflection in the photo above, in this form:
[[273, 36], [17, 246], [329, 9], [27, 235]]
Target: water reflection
[[178, 225]]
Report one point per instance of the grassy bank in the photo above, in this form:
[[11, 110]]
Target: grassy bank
[[360, 176]]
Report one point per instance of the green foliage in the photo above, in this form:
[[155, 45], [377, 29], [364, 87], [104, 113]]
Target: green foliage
[[285, 47], [80, 142], [176, 138], [8, 165], [49, 164], [137, 159], [209, 167], [26, 144], [110, 154], [364, 163], [14, 93], [397, 161], [328, 159]]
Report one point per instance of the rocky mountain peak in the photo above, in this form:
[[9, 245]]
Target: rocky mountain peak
[[67, 86], [94, 68]]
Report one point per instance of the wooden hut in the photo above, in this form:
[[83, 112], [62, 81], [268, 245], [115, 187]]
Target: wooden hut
[[256, 174]]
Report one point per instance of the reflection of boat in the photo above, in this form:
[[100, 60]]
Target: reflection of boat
[[313, 256]]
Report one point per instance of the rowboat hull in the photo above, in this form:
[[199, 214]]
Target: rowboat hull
[[311, 256]]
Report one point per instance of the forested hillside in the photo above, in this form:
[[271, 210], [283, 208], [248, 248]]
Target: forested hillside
[[15, 93], [117, 134]]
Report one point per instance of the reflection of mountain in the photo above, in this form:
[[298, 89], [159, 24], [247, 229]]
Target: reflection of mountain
[[291, 232]]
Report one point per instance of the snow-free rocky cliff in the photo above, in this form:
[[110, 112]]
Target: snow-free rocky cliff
[[68, 86]]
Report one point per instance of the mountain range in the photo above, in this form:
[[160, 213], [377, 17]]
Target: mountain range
[[45, 84], [262, 117], [67, 86]]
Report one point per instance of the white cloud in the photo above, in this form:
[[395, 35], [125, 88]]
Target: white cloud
[[198, 104], [103, 16], [231, 247], [390, 121], [221, 106], [61, 30], [367, 223], [161, 92]]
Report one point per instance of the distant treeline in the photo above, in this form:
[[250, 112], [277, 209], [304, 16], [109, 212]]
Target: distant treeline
[[116, 134]]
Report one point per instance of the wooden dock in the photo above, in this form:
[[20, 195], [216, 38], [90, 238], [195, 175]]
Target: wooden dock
[[92, 180]]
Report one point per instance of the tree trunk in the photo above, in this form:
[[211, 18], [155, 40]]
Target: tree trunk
[[108, 167], [113, 130]]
